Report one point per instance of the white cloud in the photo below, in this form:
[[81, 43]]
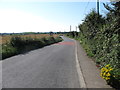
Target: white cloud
[[19, 21]]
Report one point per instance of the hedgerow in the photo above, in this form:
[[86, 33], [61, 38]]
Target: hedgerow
[[19, 45], [100, 37]]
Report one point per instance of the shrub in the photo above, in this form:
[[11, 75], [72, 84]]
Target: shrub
[[20, 45], [58, 39], [7, 51], [101, 41], [111, 75]]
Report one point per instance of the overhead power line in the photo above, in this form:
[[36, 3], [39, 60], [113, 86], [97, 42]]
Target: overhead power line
[[86, 6]]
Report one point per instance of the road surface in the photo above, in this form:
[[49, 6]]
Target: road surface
[[53, 66]]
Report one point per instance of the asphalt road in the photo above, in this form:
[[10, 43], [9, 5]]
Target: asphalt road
[[53, 66]]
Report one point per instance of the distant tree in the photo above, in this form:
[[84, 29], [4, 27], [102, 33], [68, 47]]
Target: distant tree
[[51, 33]]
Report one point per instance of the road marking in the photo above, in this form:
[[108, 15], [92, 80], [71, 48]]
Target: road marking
[[0, 74], [79, 71]]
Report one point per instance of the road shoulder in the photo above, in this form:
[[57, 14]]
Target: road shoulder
[[89, 70]]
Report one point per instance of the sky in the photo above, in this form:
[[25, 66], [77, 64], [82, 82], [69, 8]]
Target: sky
[[44, 16]]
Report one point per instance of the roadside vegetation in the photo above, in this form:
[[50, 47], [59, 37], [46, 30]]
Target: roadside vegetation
[[100, 38], [7, 38], [21, 43]]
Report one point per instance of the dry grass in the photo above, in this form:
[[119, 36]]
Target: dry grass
[[6, 38]]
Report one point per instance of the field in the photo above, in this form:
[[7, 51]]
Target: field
[[16, 44], [6, 38]]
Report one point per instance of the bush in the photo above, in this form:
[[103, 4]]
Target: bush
[[51, 40], [7, 51], [111, 75], [58, 39], [101, 41], [20, 45]]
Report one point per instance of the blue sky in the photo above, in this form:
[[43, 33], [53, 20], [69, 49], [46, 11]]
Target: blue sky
[[44, 16]]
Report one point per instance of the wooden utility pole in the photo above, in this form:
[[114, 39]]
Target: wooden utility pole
[[76, 28], [70, 28], [98, 7]]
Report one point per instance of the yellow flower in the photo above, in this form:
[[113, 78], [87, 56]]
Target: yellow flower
[[107, 65], [108, 74], [103, 77], [104, 74], [107, 78], [103, 69], [110, 69], [101, 74], [106, 70]]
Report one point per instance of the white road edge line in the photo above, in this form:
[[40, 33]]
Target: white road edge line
[[79, 71], [0, 74]]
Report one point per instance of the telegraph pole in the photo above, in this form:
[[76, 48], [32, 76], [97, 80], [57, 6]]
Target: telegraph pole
[[70, 28], [98, 7], [76, 31], [76, 28]]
